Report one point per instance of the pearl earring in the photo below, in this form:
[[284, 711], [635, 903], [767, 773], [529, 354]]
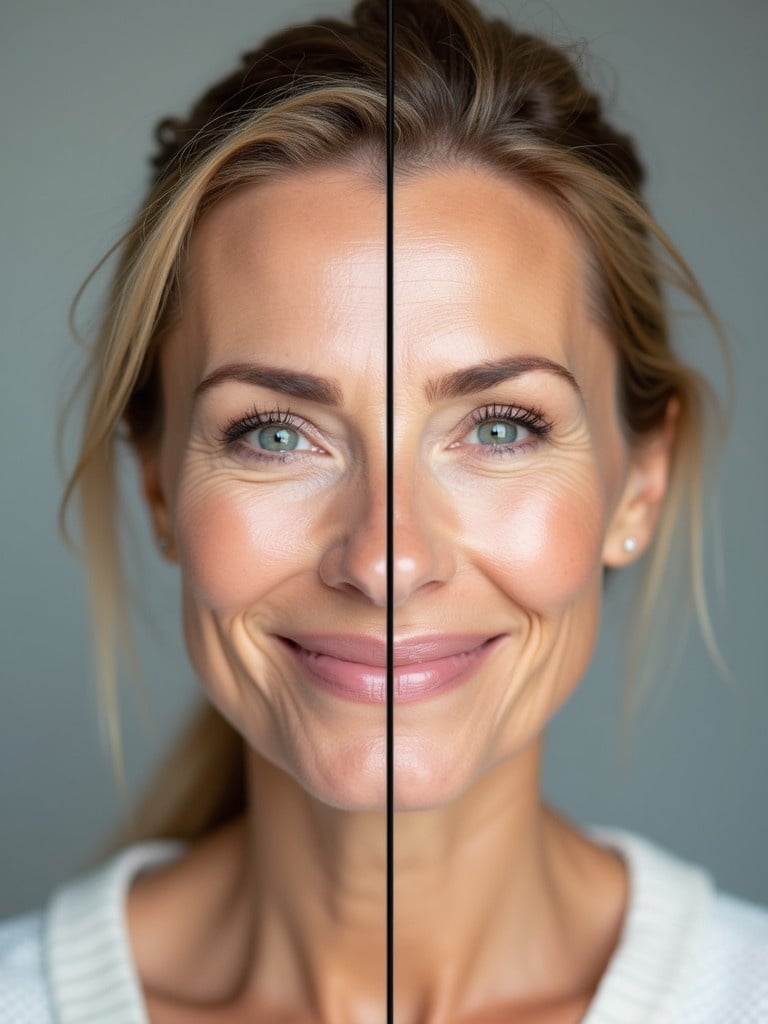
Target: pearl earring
[[629, 544]]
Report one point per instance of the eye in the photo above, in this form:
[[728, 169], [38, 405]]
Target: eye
[[505, 430], [268, 435], [277, 437], [496, 432]]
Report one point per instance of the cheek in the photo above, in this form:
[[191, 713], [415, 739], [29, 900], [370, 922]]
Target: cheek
[[540, 541], [238, 541]]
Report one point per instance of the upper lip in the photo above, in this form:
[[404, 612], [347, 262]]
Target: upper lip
[[410, 650]]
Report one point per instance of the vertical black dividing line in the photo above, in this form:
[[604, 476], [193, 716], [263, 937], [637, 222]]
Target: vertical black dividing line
[[390, 517]]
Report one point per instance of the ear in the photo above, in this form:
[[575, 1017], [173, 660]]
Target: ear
[[154, 495], [634, 520]]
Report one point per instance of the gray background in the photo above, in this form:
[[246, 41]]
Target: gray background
[[82, 83]]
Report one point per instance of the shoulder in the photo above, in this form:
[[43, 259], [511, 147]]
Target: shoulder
[[73, 960], [24, 992], [729, 976], [700, 954]]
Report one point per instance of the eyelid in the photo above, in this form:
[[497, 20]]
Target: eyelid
[[257, 418]]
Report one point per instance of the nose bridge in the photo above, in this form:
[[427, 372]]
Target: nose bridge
[[419, 555]]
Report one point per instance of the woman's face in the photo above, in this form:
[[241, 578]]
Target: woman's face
[[512, 478]]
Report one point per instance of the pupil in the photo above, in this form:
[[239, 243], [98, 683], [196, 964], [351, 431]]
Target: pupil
[[278, 438], [497, 432]]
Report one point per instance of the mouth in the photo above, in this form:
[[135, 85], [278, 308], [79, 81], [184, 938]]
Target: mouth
[[355, 667]]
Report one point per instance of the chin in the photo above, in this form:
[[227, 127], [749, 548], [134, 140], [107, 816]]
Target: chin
[[354, 778], [427, 775], [350, 777]]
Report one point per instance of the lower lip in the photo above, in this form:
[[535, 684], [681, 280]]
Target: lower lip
[[367, 684]]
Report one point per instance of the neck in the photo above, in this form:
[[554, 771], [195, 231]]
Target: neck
[[496, 900]]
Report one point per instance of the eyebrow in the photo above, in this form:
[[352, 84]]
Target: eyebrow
[[487, 374], [324, 390]]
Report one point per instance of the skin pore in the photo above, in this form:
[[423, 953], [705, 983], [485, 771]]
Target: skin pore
[[502, 909]]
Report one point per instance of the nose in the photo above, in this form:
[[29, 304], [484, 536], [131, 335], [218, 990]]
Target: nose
[[357, 559]]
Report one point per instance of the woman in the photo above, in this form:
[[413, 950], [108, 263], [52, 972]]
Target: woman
[[544, 431]]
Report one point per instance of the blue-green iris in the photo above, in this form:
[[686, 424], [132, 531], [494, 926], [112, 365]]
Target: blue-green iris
[[278, 438], [497, 432]]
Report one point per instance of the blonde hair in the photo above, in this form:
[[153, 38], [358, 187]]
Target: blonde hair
[[468, 89]]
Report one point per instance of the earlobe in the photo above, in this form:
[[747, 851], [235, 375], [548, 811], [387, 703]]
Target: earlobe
[[157, 505], [637, 513]]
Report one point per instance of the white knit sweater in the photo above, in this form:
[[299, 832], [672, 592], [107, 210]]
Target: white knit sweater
[[687, 954]]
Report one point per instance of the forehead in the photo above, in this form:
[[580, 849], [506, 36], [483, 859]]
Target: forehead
[[504, 269], [271, 255], [482, 267]]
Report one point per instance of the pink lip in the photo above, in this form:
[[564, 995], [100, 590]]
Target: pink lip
[[354, 667]]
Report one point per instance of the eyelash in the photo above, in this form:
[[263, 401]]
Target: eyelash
[[532, 419]]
